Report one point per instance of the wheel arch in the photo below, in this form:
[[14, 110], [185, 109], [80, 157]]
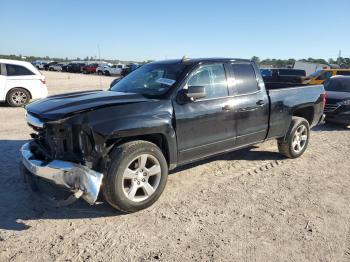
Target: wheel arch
[[158, 139], [8, 91], [307, 113]]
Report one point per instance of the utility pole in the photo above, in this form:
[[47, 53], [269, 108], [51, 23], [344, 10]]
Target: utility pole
[[339, 57]]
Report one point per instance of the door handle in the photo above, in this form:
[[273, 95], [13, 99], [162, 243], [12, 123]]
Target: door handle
[[247, 109], [227, 108], [260, 102]]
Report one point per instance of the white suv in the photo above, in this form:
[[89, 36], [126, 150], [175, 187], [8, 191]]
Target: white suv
[[20, 82]]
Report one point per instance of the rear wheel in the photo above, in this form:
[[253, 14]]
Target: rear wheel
[[297, 140], [17, 97], [136, 176]]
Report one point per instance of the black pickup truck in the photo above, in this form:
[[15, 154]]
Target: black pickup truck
[[162, 115]]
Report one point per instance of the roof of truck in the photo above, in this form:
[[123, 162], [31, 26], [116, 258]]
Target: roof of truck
[[200, 60]]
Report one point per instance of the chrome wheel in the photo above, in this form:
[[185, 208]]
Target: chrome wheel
[[300, 138], [141, 178], [19, 98]]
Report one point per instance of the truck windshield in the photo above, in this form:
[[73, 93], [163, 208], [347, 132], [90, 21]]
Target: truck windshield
[[338, 85], [150, 79]]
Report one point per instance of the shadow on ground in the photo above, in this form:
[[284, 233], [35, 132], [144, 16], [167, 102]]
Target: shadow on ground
[[330, 127]]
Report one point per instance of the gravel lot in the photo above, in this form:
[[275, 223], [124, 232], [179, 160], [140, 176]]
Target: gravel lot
[[250, 205]]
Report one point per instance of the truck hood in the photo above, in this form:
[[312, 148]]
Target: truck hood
[[60, 106]]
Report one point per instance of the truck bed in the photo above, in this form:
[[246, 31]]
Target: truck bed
[[289, 100]]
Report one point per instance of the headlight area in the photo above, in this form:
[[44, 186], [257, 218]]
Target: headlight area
[[67, 142], [85, 144]]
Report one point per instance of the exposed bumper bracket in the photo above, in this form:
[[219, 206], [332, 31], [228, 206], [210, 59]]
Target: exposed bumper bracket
[[75, 177]]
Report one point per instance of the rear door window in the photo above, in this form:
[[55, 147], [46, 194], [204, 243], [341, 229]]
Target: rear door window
[[17, 70], [245, 78]]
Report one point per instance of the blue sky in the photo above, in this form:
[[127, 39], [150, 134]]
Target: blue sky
[[155, 29]]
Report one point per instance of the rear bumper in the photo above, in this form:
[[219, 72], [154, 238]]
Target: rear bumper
[[322, 119], [72, 176], [39, 92]]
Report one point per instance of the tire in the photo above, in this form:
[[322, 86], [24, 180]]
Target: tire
[[127, 191], [17, 97], [99, 72], [297, 138], [107, 73]]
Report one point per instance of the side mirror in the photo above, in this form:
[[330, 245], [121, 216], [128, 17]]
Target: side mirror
[[191, 94], [195, 92], [115, 81]]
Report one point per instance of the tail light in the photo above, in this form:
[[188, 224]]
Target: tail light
[[43, 81], [324, 97]]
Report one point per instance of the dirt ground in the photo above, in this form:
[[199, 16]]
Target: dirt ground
[[250, 205]]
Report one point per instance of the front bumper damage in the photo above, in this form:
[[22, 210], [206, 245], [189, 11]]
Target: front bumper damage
[[79, 179]]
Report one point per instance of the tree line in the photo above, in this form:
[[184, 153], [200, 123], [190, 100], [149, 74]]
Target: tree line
[[341, 61]]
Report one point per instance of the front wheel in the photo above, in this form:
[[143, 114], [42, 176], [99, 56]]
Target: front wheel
[[136, 176], [297, 139]]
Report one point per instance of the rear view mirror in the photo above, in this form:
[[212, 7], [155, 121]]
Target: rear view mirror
[[195, 92]]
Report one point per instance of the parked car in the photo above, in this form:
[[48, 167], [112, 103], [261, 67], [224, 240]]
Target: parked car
[[39, 64], [100, 68], [90, 68], [112, 70], [285, 75], [47, 66], [319, 77], [163, 115], [75, 67], [56, 67], [338, 100], [20, 82], [64, 67]]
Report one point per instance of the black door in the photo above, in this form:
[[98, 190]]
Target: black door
[[251, 105], [205, 126]]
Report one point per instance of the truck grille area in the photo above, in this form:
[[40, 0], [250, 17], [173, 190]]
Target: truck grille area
[[59, 142], [330, 107]]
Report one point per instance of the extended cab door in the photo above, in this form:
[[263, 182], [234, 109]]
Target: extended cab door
[[205, 126], [251, 104]]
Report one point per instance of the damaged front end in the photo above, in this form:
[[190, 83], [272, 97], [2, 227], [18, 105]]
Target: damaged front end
[[63, 154]]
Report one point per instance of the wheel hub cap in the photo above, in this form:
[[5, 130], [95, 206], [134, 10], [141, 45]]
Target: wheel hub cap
[[299, 139], [19, 98], [141, 178]]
